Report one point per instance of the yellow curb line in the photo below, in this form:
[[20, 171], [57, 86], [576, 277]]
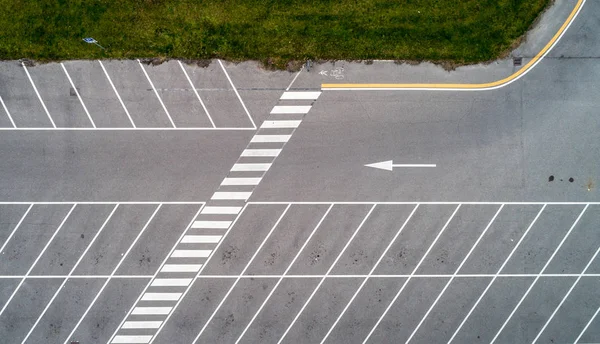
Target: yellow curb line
[[483, 86]]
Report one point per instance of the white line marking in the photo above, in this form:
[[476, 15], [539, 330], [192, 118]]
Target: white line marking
[[280, 124], [454, 275], [37, 259], [271, 138], [190, 254], [7, 113], [290, 109], [161, 296], [151, 311], [211, 224], [300, 96], [197, 95], [181, 268], [78, 95], [171, 282], [370, 273], [537, 278], [294, 79], [112, 274], [237, 94], [423, 203], [201, 239], [130, 129], [69, 275], [586, 326], [250, 167], [16, 227], [221, 210], [284, 273], [157, 95], [107, 202], [261, 152], [243, 272], [411, 275], [38, 94], [497, 274], [326, 274], [565, 297], [231, 195], [141, 324], [241, 181], [131, 339], [117, 93]]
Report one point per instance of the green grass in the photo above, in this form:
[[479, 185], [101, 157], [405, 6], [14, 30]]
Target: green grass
[[458, 31]]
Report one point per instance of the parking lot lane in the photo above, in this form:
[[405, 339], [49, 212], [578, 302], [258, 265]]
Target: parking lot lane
[[137, 94], [500, 239], [278, 313], [7, 287], [543, 238], [31, 237], [260, 102], [318, 316], [154, 245], [108, 310], [10, 215], [574, 313], [20, 98], [537, 307], [97, 94], [238, 247], [328, 241], [415, 238], [25, 307], [65, 311], [293, 230], [75, 235], [376, 234], [60, 100], [118, 235], [492, 311]]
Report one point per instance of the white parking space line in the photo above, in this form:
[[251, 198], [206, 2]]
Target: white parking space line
[[157, 95], [237, 94], [565, 297], [294, 79], [201, 239], [537, 278], [271, 138], [370, 273], [70, 273], [141, 324], [221, 210], [161, 296], [251, 167], [242, 273], [38, 95], [284, 274], [78, 96], [327, 273], [37, 259], [186, 254], [411, 275], [261, 152], [290, 109], [7, 113], [117, 93], [222, 195], [586, 326], [241, 181], [67, 341], [211, 224], [132, 339], [181, 268], [15, 229], [197, 94], [497, 273], [280, 124], [300, 96], [454, 275]]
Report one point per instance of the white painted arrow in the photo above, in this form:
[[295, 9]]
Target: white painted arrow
[[389, 165]]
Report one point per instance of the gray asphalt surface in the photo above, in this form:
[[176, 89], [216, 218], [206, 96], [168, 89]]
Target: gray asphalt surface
[[325, 249]]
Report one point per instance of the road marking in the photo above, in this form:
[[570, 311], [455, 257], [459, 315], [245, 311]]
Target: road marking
[[161, 297], [586, 326], [157, 95], [117, 93], [197, 94], [150, 311], [38, 95], [190, 254], [250, 167], [291, 109], [211, 224], [300, 96], [171, 282], [181, 268], [78, 95], [16, 227], [221, 210], [389, 165], [241, 181], [270, 138], [132, 339], [243, 272], [131, 129], [469, 87], [280, 124], [497, 274], [112, 274], [141, 324], [294, 79], [327, 273], [220, 195], [565, 297], [261, 152], [7, 113], [537, 278], [411, 275], [201, 239], [236, 93]]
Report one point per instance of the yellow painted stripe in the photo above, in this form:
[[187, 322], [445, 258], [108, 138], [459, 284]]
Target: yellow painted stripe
[[472, 86]]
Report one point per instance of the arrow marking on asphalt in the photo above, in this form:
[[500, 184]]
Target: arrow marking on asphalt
[[389, 165]]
